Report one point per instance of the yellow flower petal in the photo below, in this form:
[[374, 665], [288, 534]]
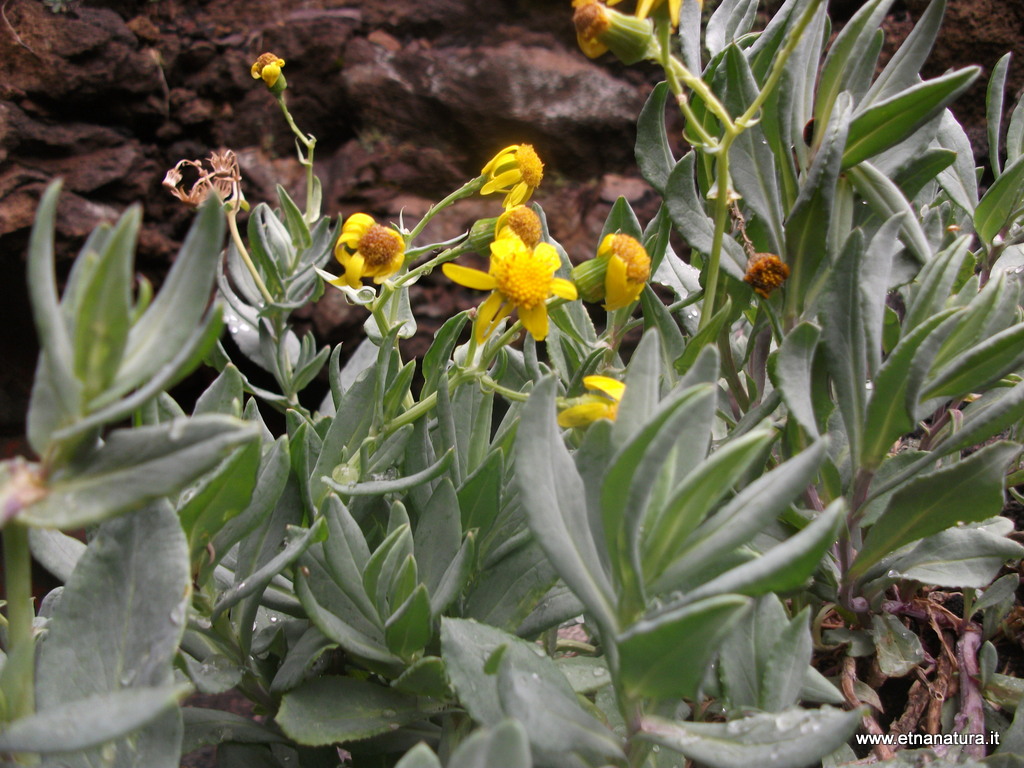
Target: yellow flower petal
[[563, 289], [501, 181], [583, 414], [354, 270], [489, 314], [617, 293], [471, 278], [609, 386], [535, 320]]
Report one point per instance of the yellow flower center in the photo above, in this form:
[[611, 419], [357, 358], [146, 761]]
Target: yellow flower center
[[379, 246], [638, 263], [523, 277], [530, 165], [523, 222], [765, 273]]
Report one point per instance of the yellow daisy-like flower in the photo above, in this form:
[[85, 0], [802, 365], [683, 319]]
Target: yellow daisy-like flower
[[591, 21], [367, 249], [517, 171], [629, 269], [592, 407], [520, 278], [268, 68]]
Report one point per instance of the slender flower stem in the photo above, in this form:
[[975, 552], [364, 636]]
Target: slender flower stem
[[793, 39], [309, 142], [467, 189], [723, 185], [236, 238], [18, 591]]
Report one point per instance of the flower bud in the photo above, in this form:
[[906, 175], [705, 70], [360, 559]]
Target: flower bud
[[589, 278], [268, 68], [600, 29]]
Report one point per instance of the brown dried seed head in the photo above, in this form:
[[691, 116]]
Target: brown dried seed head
[[765, 273]]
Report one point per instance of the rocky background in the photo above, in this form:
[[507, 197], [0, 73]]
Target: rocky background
[[407, 98]]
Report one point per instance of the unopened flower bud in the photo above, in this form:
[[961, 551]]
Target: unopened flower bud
[[600, 29]]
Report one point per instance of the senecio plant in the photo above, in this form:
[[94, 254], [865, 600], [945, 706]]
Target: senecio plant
[[708, 531]]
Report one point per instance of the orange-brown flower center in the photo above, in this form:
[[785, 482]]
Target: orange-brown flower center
[[379, 246], [530, 165], [765, 273], [591, 20], [634, 255], [525, 223]]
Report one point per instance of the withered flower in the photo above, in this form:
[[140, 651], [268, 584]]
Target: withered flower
[[223, 176]]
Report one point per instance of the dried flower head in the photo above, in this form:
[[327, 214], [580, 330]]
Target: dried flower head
[[223, 176], [765, 273]]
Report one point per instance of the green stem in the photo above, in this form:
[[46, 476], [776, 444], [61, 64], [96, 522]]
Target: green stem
[[18, 589], [467, 189], [671, 67], [723, 186], [309, 142], [236, 238]]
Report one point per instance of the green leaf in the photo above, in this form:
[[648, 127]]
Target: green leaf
[[120, 619], [296, 224], [887, 200], [1015, 132], [632, 475], [785, 566], [209, 727], [688, 214], [84, 724], [792, 374], [419, 756], [704, 337], [934, 283], [408, 628], [218, 498], [168, 325], [978, 367], [888, 415], [553, 496], [958, 557], [787, 665], [744, 516], [297, 541], [102, 317], [435, 361], [553, 720], [1002, 200], [56, 394], [653, 153], [887, 123], [968, 491], [621, 219], [505, 744], [696, 495], [667, 656], [133, 467], [899, 650], [850, 47], [902, 70], [333, 709], [56, 552], [994, 111], [467, 647], [731, 20], [806, 238], [791, 739]]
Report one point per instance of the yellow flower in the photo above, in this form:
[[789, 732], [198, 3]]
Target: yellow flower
[[591, 21], [629, 268], [765, 273], [521, 221], [268, 67], [644, 7], [520, 278], [516, 171], [367, 249], [592, 407]]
